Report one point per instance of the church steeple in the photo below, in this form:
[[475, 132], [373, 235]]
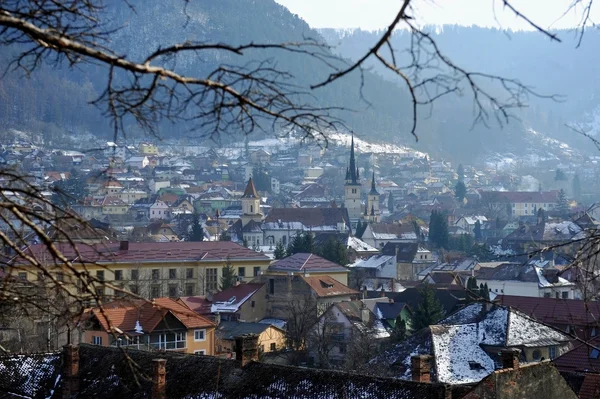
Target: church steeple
[[373, 189], [353, 169]]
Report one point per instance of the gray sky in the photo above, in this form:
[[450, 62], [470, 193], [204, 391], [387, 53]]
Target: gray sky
[[376, 14]]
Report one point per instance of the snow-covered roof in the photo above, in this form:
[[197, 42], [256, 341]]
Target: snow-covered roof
[[374, 262], [359, 245]]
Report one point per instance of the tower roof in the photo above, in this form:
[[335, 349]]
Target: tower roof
[[373, 189], [353, 178], [250, 191]]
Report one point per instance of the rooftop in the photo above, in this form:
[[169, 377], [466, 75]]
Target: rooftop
[[306, 263]]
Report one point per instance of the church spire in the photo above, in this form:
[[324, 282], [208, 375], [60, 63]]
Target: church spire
[[353, 169], [373, 189]]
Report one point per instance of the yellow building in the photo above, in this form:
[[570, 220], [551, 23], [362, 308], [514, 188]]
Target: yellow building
[[148, 149], [150, 270], [270, 338], [162, 324]]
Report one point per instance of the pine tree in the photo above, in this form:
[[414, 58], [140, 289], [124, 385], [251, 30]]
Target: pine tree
[[562, 205], [229, 277], [197, 232], [279, 250], [429, 310], [461, 173], [486, 290], [477, 231], [391, 203], [360, 229], [334, 251], [438, 230], [460, 190], [399, 332], [301, 243]]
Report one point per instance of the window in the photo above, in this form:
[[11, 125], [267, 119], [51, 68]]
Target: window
[[253, 304], [256, 271], [118, 275], [241, 272], [271, 286], [168, 341], [273, 346], [552, 352], [22, 276], [557, 294], [251, 209], [565, 294], [96, 340], [135, 274], [200, 352], [594, 354], [155, 274], [190, 289], [211, 279], [189, 272], [172, 273], [536, 354], [199, 335], [155, 291], [594, 332], [100, 275], [173, 290]]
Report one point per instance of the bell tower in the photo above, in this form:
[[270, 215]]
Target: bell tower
[[251, 204], [352, 189], [372, 212]]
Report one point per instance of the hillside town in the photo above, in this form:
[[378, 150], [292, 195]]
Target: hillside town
[[432, 278]]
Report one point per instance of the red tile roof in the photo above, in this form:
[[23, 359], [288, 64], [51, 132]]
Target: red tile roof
[[240, 292], [144, 251], [198, 304], [124, 315], [306, 263], [559, 313], [590, 389], [584, 358], [326, 286]]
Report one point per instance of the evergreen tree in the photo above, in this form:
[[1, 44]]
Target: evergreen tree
[[391, 203], [461, 173], [484, 292], [560, 175], [473, 292], [562, 205], [197, 232], [360, 229], [279, 250], [262, 181], [460, 190], [477, 230], [301, 243], [334, 251], [576, 188], [429, 310], [70, 191], [229, 277], [438, 230], [399, 332]]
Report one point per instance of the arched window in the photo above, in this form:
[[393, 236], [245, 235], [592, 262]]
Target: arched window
[[251, 208]]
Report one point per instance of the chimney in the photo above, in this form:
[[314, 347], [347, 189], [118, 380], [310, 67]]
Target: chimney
[[510, 358], [365, 314], [382, 293], [159, 379], [124, 245], [246, 349], [70, 371], [421, 368]]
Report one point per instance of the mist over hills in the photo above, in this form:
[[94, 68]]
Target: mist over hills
[[52, 102]]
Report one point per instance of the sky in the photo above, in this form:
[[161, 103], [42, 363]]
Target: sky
[[377, 14]]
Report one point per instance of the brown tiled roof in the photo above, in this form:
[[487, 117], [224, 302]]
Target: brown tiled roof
[[124, 315], [584, 358], [392, 228], [250, 191], [590, 389], [306, 263], [198, 304], [557, 312], [241, 292], [326, 286], [520, 196], [309, 217], [141, 251]]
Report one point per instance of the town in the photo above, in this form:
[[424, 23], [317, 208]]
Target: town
[[374, 260]]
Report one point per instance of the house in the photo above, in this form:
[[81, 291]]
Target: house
[[463, 267], [379, 234], [309, 264], [156, 184], [390, 312], [576, 317], [530, 280], [528, 238], [155, 231], [519, 203], [260, 156], [138, 162], [113, 206], [162, 324], [159, 210], [148, 269], [148, 149], [465, 345], [411, 258], [243, 302], [376, 266], [344, 326], [468, 223], [283, 224], [270, 337]]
